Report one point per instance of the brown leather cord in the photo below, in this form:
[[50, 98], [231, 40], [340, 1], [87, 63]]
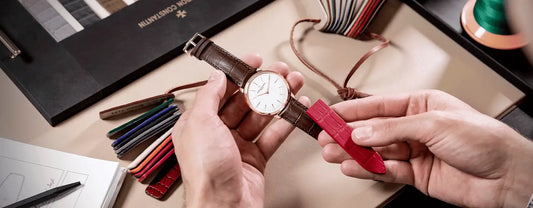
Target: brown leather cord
[[346, 93], [187, 86]]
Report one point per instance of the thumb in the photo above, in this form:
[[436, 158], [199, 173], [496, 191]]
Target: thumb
[[209, 96], [422, 128]]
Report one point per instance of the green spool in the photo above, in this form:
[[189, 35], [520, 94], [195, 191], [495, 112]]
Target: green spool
[[490, 15]]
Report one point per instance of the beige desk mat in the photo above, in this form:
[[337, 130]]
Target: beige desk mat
[[421, 57]]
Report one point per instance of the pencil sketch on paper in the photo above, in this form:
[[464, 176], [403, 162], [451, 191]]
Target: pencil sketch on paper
[[10, 187], [21, 179]]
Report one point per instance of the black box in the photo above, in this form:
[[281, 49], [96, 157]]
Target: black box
[[62, 78]]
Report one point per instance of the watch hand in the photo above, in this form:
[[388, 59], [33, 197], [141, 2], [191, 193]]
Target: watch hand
[[268, 86], [259, 95], [261, 88]]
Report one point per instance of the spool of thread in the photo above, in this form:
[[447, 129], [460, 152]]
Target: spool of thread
[[485, 22]]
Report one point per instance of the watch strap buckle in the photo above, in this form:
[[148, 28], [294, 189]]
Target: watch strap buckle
[[192, 43]]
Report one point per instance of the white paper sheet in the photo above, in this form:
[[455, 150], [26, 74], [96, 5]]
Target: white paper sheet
[[26, 170]]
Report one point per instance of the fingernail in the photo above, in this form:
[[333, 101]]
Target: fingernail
[[362, 133], [214, 75]]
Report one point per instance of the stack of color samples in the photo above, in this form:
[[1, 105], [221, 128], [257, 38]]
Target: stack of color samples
[[63, 18], [159, 156]]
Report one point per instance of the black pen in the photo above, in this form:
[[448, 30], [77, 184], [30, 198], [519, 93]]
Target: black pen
[[42, 197]]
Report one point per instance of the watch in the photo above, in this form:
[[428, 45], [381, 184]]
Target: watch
[[266, 92]]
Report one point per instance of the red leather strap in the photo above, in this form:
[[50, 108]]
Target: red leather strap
[[164, 180], [341, 133], [155, 159], [159, 163]]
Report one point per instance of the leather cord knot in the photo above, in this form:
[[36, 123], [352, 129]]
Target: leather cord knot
[[348, 93]]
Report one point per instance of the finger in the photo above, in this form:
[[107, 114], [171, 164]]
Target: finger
[[333, 153], [234, 110], [397, 105], [397, 171], [209, 96], [397, 151], [280, 68], [324, 139], [249, 153], [252, 59], [275, 134], [253, 123], [373, 106], [420, 128]]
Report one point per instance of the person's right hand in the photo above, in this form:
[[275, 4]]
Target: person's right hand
[[440, 145]]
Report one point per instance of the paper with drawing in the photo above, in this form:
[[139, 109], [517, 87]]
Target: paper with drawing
[[26, 170]]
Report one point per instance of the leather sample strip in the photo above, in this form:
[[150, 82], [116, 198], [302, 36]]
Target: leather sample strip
[[348, 18], [164, 180], [168, 147], [97, 8], [149, 157], [150, 149], [81, 11], [136, 105], [169, 154], [112, 6], [49, 18], [66, 14], [145, 128], [145, 173], [144, 123], [163, 126], [341, 133], [136, 121]]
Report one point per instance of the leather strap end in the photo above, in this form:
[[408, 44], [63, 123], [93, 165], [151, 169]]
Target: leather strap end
[[136, 105], [341, 133], [164, 180], [204, 49]]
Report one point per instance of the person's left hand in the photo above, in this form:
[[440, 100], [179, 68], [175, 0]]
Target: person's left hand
[[221, 166]]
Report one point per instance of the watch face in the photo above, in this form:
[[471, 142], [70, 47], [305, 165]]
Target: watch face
[[267, 92]]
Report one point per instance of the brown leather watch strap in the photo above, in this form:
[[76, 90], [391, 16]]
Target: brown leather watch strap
[[294, 113], [204, 49]]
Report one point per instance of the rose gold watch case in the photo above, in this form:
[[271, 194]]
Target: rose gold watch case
[[247, 86]]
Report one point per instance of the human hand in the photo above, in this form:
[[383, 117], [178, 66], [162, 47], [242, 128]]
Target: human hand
[[221, 166], [440, 145]]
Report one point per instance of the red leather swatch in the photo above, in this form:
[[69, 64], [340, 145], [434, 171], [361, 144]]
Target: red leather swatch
[[159, 163], [165, 179], [155, 159], [341, 133], [152, 154]]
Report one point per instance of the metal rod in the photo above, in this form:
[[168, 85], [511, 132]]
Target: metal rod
[[15, 51]]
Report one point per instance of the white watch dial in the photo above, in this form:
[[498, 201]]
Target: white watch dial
[[267, 92]]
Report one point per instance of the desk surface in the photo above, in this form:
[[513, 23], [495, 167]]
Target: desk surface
[[421, 57]]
